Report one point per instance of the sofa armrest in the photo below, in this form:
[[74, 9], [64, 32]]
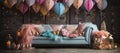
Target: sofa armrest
[[88, 33]]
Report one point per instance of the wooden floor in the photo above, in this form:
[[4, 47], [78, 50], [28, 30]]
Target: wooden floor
[[61, 50]]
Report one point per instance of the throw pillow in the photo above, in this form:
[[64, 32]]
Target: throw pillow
[[71, 28], [56, 27]]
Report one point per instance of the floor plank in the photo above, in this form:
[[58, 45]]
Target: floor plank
[[61, 50]]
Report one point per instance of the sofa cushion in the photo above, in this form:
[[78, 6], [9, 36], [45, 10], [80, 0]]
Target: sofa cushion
[[71, 28], [56, 27], [64, 38], [39, 28], [81, 27], [77, 38]]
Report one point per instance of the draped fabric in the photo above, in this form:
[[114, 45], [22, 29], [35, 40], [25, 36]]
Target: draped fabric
[[52, 36], [27, 33]]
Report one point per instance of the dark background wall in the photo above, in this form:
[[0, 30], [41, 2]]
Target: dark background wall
[[12, 19]]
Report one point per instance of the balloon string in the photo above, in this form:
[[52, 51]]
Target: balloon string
[[23, 18], [30, 15], [88, 14], [101, 16], [44, 19], [77, 14], [59, 8]]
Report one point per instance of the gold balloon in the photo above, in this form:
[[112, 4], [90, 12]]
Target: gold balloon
[[43, 10], [78, 3], [36, 7], [22, 7], [66, 9], [8, 43], [12, 2], [7, 4]]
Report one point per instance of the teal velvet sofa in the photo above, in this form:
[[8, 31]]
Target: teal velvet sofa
[[85, 39]]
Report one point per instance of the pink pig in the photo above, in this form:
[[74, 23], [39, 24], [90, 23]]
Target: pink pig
[[27, 34]]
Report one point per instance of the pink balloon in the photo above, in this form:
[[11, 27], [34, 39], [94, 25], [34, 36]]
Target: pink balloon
[[69, 2], [102, 4], [36, 7], [25, 8], [18, 1], [40, 1], [55, 0], [61, 0], [88, 5], [12, 2], [49, 4], [22, 7], [30, 2], [97, 1], [64, 0]]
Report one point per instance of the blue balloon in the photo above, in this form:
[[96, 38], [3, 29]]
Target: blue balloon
[[59, 8]]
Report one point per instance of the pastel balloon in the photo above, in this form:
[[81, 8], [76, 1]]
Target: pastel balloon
[[102, 4], [12, 2], [97, 1], [22, 7], [64, 0], [49, 4], [7, 4], [88, 4], [69, 2], [61, 0], [55, 0], [40, 1], [36, 7], [78, 3], [30, 2], [66, 9], [59, 8], [20, 1], [43, 10]]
